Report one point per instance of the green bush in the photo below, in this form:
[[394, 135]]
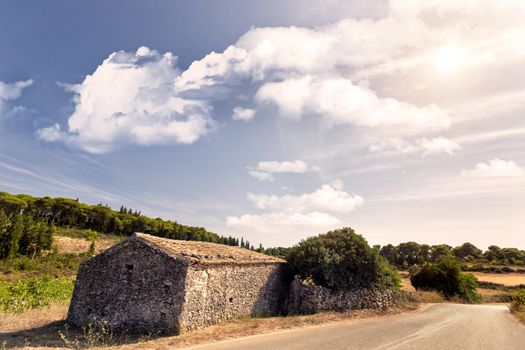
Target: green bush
[[518, 301], [32, 293], [341, 260], [446, 277]]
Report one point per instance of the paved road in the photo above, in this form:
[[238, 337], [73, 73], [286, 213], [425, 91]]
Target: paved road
[[441, 326]]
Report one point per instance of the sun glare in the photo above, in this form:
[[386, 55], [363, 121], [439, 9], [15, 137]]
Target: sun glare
[[449, 59]]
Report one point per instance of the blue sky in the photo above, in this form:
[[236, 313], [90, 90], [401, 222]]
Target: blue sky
[[274, 120]]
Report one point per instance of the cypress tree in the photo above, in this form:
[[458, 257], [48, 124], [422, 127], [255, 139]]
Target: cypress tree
[[15, 234], [5, 225]]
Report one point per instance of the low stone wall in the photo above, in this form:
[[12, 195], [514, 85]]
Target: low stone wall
[[305, 299]]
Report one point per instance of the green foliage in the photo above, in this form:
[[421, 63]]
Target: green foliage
[[55, 264], [467, 250], [22, 235], [407, 254], [446, 277], [518, 301], [342, 260], [39, 213], [37, 292], [90, 235]]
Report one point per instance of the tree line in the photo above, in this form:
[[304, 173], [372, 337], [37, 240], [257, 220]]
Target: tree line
[[30, 220], [23, 235], [408, 254]]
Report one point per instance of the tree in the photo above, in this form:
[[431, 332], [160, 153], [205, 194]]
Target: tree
[[389, 252], [493, 253], [5, 226], [446, 277], [408, 254], [15, 234], [341, 260], [467, 249], [439, 251]]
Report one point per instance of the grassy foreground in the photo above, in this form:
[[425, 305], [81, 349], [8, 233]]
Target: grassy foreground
[[37, 292]]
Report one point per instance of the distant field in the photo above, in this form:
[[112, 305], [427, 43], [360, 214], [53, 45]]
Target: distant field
[[505, 279], [76, 245]]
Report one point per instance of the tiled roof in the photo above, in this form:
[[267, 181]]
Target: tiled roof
[[206, 253]]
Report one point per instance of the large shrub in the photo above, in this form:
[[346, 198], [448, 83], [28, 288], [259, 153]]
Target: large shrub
[[518, 301], [341, 260], [446, 277]]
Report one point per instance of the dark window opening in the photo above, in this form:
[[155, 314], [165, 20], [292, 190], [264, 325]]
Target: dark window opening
[[130, 267]]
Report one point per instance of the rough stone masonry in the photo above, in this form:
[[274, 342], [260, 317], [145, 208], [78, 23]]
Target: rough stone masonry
[[147, 283]]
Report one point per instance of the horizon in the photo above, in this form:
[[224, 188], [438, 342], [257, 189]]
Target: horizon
[[400, 119], [256, 244]]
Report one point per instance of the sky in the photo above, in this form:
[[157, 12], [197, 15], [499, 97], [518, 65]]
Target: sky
[[273, 120]]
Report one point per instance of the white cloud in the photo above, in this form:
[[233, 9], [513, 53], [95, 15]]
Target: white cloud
[[283, 222], [438, 145], [245, 114], [293, 213], [143, 98], [425, 146], [339, 101], [264, 171], [130, 99], [329, 197], [299, 76], [495, 168], [52, 134], [261, 175], [297, 166], [10, 92]]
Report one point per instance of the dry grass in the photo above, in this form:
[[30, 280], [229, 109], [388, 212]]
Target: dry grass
[[406, 285], [33, 318], [36, 327], [426, 297], [39, 329], [520, 315], [494, 295], [80, 245], [505, 279]]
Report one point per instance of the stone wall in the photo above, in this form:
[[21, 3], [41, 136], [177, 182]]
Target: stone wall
[[219, 293], [131, 287], [306, 299]]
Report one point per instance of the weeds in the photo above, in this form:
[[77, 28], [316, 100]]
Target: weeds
[[425, 297], [96, 334], [22, 295]]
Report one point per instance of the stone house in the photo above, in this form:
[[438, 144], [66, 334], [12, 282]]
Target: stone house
[[151, 283]]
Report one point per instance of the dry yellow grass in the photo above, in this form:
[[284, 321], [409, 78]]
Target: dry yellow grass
[[505, 279], [79, 245], [39, 329], [406, 285], [426, 297], [520, 315], [494, 296]]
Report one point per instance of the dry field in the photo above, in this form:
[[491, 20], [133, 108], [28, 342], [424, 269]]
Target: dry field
[[79, 245], [505, 279], [40, 328]]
